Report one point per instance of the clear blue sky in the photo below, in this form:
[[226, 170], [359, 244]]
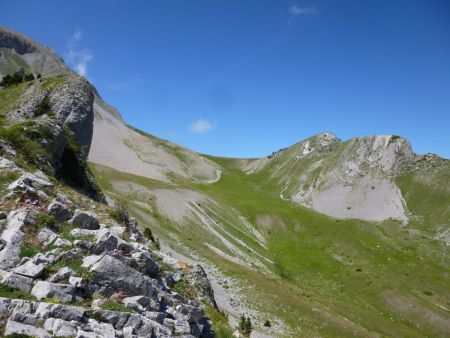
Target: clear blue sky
[[244, 78]]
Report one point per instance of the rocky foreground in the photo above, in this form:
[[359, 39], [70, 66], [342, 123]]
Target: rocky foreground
[[70, 269]]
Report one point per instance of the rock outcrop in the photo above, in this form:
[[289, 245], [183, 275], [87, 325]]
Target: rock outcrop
[[108, 273]]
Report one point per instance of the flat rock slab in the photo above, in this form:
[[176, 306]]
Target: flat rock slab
[[63, 292]]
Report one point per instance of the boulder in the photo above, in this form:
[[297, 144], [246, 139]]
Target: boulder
[[61, 328], [115, 318], [58, 210], [3, 215], [38, 181], [8, 166], [35, 266], [16, 281], [141, 304], [156, 316], [86, 220], [61, 243], [46, 236], [106, 241], [63, 273], [65, 312], [188, 312], [143, 262], [112, 275], [16, 328], [141, 325], [63, 292], [78, 282], [181, 327]]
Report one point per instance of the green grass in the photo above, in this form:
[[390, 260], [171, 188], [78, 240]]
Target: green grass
[[116, 306], [219, 322], [185, 289], [28, 251], [9, 292]]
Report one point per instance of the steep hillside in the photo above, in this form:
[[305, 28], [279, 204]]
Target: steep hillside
[[145, 155]]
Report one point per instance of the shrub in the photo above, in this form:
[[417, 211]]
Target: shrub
[[43, 107], [29, 77], [148, 233], [267, 323], [27, 251], [185, 289], [44, 220], [120, 212]]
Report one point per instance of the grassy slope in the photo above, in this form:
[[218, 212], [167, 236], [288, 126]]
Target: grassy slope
[[327, 270]]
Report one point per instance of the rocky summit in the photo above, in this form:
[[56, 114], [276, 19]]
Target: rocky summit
[[108, 231]]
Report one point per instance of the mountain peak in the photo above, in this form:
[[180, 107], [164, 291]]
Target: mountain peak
[[18, 50]]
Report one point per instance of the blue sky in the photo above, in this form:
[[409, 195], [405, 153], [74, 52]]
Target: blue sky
[[245, 78]]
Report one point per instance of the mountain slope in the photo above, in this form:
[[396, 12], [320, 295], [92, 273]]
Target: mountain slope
[[19, 51], [145, 155], [324, 239]]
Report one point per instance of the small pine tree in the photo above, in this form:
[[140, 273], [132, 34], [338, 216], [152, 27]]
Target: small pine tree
[[242, 323], [6, 81], [248, 326], [29, 77], [149, 234], [245, 326], [17, 78]]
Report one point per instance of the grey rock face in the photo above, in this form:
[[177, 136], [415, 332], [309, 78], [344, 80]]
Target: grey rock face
[[63, 292], [86, 220], [12, 237], [199, 280], [112, 275], [72, 104]]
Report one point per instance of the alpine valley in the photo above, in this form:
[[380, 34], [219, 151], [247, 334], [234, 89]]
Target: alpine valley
[[107, 231]]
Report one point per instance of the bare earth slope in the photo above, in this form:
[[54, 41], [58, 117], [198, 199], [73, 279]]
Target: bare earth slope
[[119, 146]]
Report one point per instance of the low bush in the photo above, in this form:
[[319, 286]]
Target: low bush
[[120, 212]]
